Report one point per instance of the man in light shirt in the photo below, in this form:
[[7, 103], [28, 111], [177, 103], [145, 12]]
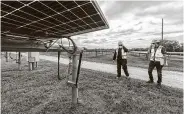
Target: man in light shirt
[[157, 59]]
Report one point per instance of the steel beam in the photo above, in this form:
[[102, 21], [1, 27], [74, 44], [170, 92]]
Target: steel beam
[[27, 49], [19, 60], [30, 66], [74, 76], [59, 65], [6, 56], [36, 64]]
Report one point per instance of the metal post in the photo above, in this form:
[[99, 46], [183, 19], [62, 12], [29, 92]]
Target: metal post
[[30, 66], [6, 56], [58, 64], [19, 61], [79, 67], [33, 65], [29, 62], [36, 64], [74, 76], [162, 31]]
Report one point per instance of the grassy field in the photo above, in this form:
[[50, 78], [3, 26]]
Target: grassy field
[[175, 63], [40, 92]]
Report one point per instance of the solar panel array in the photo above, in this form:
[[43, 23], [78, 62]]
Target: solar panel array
[[42, 19]]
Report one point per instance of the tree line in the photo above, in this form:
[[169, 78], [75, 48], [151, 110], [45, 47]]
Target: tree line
[[170, 45]]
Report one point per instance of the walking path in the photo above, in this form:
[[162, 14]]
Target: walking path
[[170, 78]]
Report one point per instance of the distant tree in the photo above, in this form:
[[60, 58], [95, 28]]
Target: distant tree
[[181, 47], [171, 45], [139, 49], [85, 48]]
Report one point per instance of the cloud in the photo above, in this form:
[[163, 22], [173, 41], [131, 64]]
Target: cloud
[[114, 9], [140, 39], [95, 41], [172, 11], [179, 37], [139, 23], [136, 23], [88, 41]]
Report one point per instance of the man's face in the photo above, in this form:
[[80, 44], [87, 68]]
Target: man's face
[[120, 46], [153, 44], [157, 44]]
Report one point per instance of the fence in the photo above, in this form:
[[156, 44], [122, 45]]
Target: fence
[[169, 54], [98, 52]]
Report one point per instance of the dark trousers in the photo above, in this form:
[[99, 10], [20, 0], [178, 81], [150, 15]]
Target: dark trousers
[[159, 67], [123, 63]]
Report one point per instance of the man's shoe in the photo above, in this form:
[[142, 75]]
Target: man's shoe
[[127, 77], [159, 85], [150, 81], [117, 77]]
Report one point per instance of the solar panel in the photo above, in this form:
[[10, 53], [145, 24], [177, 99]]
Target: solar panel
[[45, 19]]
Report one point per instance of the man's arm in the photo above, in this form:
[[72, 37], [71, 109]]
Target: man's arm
[[149, 50], [114, 57], [125, 49], [163, 51]]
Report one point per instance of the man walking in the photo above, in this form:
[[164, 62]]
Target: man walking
[[156, 60], [121, 56]]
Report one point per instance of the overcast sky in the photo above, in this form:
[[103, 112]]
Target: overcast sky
[[136, 23]]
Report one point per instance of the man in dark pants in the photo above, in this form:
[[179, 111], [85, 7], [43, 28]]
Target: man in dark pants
[[121, 56], [156, 60]]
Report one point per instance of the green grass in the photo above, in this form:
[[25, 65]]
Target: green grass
[[40, 92]]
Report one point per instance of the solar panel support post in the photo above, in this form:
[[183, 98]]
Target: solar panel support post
[[19, 60], [6, 56], [33, 65], [30, 66], [74, 76], [59, 52], [36, 64], [30, 63]]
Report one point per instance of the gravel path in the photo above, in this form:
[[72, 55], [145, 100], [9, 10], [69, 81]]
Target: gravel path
[[170, 78]]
